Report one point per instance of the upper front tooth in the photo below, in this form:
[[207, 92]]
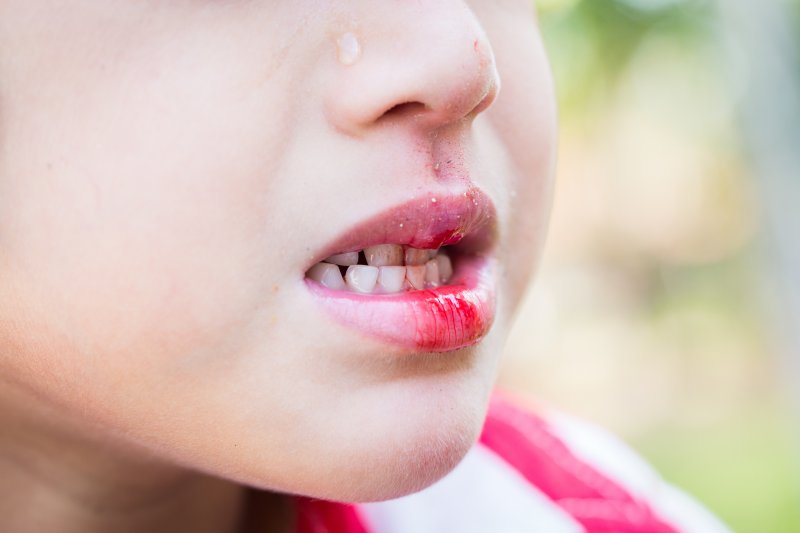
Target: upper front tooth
[[416, 257], [361, 278], [327, 275], [345, 259], [384, 255]]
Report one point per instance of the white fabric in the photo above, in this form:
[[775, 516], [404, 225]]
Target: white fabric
[[482, 495], [610, 456]]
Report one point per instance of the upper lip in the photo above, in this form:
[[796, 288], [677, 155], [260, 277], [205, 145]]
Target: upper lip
[[429, 220]]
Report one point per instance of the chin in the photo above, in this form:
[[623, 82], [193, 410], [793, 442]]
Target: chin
[[423, 464], [417, 435], [398, 467]]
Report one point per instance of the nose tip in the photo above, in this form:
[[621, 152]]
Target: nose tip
[[437, 72], [462, 87]]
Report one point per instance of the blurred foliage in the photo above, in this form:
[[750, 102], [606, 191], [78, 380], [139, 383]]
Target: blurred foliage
[[646, 316], [598, 38], [795, 5], [730, 471]]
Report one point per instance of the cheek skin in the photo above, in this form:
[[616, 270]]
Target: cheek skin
[[148, 196], [134, 250]]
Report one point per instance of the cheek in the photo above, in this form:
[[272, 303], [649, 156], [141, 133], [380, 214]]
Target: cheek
[[128, 299], [137, 229], [127, 269], [114, 327], [524, 118]]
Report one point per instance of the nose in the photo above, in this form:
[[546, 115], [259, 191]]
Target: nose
[[424, 64]]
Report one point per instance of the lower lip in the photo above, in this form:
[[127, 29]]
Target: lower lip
[[447, 318]]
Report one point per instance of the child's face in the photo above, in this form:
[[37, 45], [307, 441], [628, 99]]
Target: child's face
[[169, 171]]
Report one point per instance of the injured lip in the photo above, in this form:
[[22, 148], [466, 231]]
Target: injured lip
[[389, 279]]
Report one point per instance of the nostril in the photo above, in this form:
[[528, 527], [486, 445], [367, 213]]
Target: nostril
[[405, 109]]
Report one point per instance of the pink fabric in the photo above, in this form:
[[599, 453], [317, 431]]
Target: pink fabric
[[600, 505], [319, 516]]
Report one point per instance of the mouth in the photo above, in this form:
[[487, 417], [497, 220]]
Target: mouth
[[418, 276]]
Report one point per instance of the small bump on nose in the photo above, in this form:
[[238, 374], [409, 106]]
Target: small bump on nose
[[348, 48]]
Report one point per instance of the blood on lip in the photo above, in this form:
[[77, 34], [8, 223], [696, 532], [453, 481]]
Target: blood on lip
[[459, 319]]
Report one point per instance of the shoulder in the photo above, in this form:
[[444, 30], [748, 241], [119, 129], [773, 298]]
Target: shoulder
[[544, 472]]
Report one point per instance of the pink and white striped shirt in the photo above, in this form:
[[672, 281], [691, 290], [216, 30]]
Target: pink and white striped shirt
[[528, 473]]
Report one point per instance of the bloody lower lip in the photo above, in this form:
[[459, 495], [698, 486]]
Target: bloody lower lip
[[447, 318]]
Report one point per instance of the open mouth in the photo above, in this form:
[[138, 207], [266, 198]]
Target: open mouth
[[384, 269], [418, 276]]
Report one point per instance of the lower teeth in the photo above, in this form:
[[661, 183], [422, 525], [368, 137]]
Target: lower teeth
[[385, 272]]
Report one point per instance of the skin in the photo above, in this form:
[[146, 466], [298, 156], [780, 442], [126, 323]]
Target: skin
[[167, 170]]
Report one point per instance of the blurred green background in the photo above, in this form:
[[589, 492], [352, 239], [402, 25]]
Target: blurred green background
[[655, 311]]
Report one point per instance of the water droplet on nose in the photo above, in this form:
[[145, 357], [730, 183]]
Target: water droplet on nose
[[348, 49]]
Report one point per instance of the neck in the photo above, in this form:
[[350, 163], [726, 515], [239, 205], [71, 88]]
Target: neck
[[57, 480]]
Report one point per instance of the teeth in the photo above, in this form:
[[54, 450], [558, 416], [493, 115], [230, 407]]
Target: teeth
[[346, 259], [432, 273], [384, 272], [391, 278], [416, 276], [327, 275], [384, 255], [445, 268], [416, 257], [361, 278]]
